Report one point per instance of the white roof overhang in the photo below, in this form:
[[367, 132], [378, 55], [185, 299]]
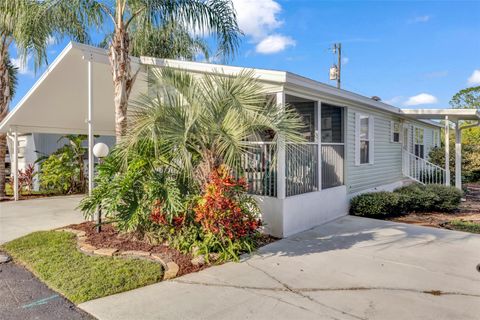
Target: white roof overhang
[[58, 102], [441, 114]]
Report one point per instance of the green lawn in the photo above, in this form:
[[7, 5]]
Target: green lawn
[[466, 226], [53, 257]]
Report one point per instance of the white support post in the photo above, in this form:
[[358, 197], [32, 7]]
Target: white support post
[[458, 156], [16, 195], [447, 152], [319, 142], [281, 156], [90, 128]]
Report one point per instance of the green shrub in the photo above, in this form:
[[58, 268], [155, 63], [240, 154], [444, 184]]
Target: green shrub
[[423, 198], [448, 198], [416, 198], [58, 173], [375, 204]]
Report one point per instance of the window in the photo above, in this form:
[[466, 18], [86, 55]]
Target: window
[[395, 131], [436, 138], [419, 144], [364, 139]]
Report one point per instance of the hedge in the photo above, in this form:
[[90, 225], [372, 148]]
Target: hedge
[[412, 198]]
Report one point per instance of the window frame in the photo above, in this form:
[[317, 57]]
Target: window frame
[[393, 132], [421, 146], [370, 139]]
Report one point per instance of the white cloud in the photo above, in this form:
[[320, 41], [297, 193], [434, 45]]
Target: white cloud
[[474, 79], [259, 19], [345, 60], [22, 66], [422, 98], [274, 43], [420, 19]]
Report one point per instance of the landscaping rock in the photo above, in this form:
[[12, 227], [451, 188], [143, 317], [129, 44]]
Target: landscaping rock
[[4, 258], [171, 270], [87, 248], [198, 261], [135, 253], [106, 251]]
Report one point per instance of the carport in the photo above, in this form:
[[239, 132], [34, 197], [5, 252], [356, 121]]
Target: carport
[[73, 96], [455, 116]]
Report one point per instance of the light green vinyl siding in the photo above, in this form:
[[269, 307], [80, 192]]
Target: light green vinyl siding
[[387, 162]]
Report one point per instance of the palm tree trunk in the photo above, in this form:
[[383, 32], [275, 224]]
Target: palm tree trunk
[[5, 98], [122, 78]]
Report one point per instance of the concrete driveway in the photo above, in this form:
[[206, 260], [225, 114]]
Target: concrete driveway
[[22, 217], [352, 268]]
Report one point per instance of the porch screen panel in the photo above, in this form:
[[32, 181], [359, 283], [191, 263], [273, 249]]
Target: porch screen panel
[[332, 146]]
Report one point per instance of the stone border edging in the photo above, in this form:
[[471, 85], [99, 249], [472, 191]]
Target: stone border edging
[[170, 268]]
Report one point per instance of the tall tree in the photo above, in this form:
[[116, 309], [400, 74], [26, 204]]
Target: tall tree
[[142, 27], [27, 26]]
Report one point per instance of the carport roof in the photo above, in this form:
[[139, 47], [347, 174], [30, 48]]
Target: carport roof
[[441, 114]]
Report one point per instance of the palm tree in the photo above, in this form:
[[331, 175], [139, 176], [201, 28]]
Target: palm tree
[[195, 124], [8, 84], [138, 25], [27, 25]]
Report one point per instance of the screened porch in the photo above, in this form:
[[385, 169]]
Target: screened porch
[[290, 169]]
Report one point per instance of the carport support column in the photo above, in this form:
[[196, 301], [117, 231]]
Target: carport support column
[[458, 156], [15, 166], [90, 129], [447, 152], [281, 155]]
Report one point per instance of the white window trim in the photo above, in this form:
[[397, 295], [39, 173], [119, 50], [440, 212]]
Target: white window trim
[[392, 131], [371, 138], [423, 140]]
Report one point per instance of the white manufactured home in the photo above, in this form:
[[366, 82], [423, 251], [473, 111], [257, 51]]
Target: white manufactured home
[[353, 143]]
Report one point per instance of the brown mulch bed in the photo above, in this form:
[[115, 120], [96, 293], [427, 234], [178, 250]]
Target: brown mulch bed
[[110, 238]]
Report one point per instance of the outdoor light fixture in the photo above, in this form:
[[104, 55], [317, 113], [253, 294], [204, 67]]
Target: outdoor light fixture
[[100, 150]]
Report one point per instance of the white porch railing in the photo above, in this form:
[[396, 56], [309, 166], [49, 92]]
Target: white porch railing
[[259, 168], [421, 170], [301, 162]]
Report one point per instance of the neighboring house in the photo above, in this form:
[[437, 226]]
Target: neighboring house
[[353, 143], [34, 146]]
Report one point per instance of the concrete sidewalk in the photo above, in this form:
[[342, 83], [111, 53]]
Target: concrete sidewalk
[[23, 217], [352, 268]]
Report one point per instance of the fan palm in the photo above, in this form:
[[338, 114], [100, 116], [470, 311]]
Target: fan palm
[[27, 25], [197, 123]]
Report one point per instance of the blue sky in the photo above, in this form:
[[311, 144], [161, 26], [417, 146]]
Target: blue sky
[[410, 53]]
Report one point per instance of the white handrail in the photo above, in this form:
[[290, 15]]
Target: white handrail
[[421, 170]]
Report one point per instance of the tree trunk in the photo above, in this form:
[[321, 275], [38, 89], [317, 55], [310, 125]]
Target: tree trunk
[[5, 99], [122, 77]]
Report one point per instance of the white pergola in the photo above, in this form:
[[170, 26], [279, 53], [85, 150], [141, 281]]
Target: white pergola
[[449, 115], [73, 96]]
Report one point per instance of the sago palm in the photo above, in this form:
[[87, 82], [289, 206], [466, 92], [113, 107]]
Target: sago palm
[[27, 25], [196, 123]]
